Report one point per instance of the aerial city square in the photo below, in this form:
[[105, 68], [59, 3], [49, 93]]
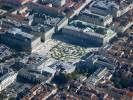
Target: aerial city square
[[66, 49]]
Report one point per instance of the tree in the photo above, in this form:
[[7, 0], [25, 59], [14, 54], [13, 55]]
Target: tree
[[12, 98], [60, 79]]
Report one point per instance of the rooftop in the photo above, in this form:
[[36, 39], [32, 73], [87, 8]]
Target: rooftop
[[5, 51], [16, 31], [39, 92], [105, 4], [91, 28], [63, 67], [6, 76], [124, 20], [33, 59]]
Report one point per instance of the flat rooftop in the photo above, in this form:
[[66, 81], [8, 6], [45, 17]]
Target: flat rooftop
[[16, 31], [5, 51], [105, 4], [88, 13], [110, 6], [33, 59], [87, 27]]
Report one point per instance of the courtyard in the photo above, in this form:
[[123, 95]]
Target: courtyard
[[63, 51]]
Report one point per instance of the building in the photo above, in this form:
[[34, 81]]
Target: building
[[102, 20], [7, 80], [43, 9], [100, 60], [96, 76], [20, 40], [15, 2], [33, 76], [5, 52], [46, 31], [34, 60], [40, 92], [86, 37], [57, 3], [116, 8], [125, 6], [61, 24], [2, 12], [85, 32], [30, 37], [62, 67], [104, 7], [122, 23], [4, 23]]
